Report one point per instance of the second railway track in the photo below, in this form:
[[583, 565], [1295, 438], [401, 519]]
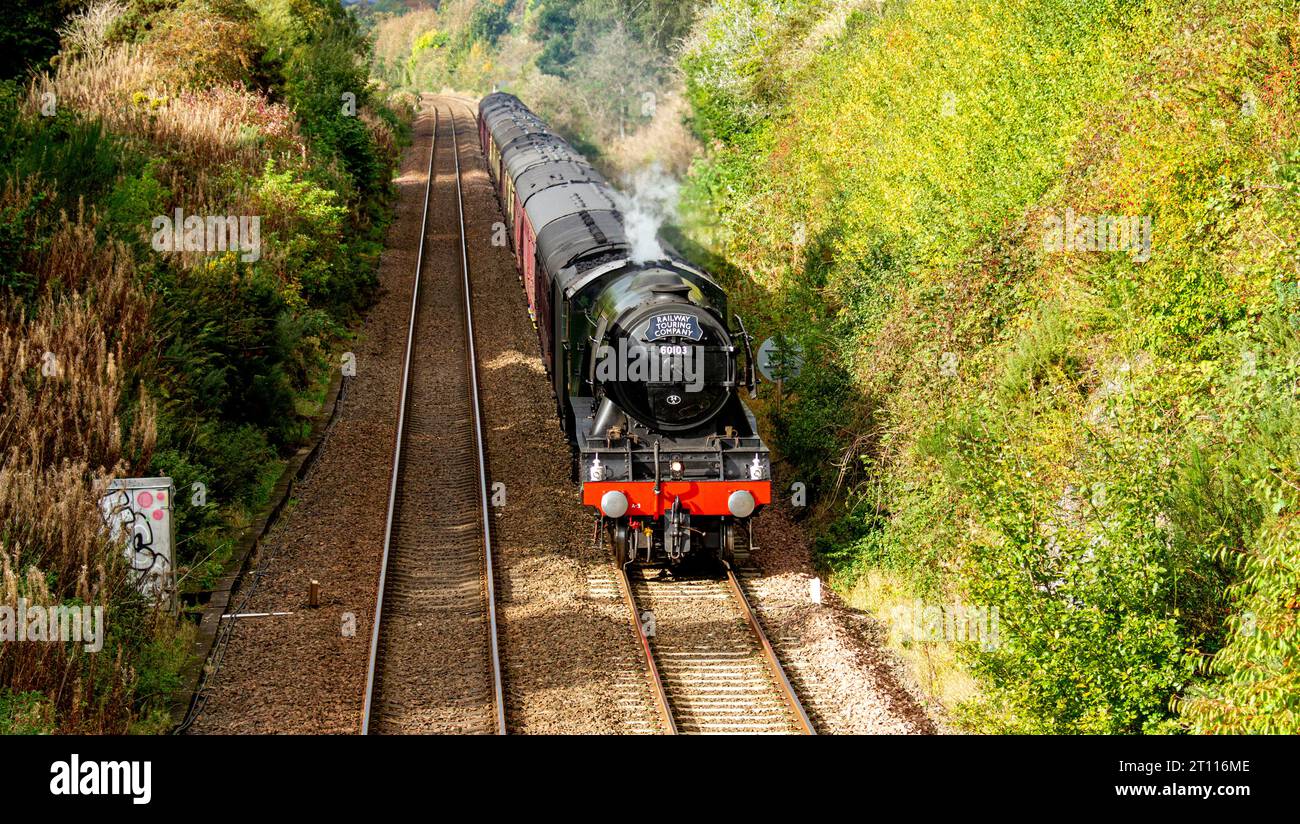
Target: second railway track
[[434, 660]]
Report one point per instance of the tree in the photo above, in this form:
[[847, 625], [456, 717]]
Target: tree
[[30, 36]]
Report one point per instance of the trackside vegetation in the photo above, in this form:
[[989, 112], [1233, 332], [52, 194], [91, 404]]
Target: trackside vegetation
[[1009, 406], [121, 359]]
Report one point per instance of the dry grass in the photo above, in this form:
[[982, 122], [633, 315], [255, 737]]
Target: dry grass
[[933, 665], [61, 438], [79, 339], [396, 35], [136, 93], [86, 692]]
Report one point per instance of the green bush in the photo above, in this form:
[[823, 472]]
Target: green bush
[[19, 244], [30, 36], [812, 425], [311, 52], [221, 358], [1251, 684], [25, 713], [489, 20], [1098, 599], [1093, 442]]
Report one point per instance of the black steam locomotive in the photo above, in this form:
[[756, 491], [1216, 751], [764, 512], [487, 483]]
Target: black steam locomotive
[[646, 368]]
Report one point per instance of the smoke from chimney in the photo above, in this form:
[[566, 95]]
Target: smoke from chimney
[[648, 198]]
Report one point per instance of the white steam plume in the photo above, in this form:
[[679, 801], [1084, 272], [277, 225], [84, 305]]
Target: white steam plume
[[648, 199]]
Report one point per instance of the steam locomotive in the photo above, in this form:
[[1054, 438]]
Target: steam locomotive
[[646, 369]]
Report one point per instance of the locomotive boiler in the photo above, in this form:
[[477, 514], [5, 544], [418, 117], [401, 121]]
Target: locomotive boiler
[[646, 367]]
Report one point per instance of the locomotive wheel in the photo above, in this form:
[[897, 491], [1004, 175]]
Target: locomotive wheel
[[619, 540], [726, 550], [733, 542]]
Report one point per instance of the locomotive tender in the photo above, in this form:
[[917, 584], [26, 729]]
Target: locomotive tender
[[644, 365]]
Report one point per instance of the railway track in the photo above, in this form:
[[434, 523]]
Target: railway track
[[435, 665], [711, 667]]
